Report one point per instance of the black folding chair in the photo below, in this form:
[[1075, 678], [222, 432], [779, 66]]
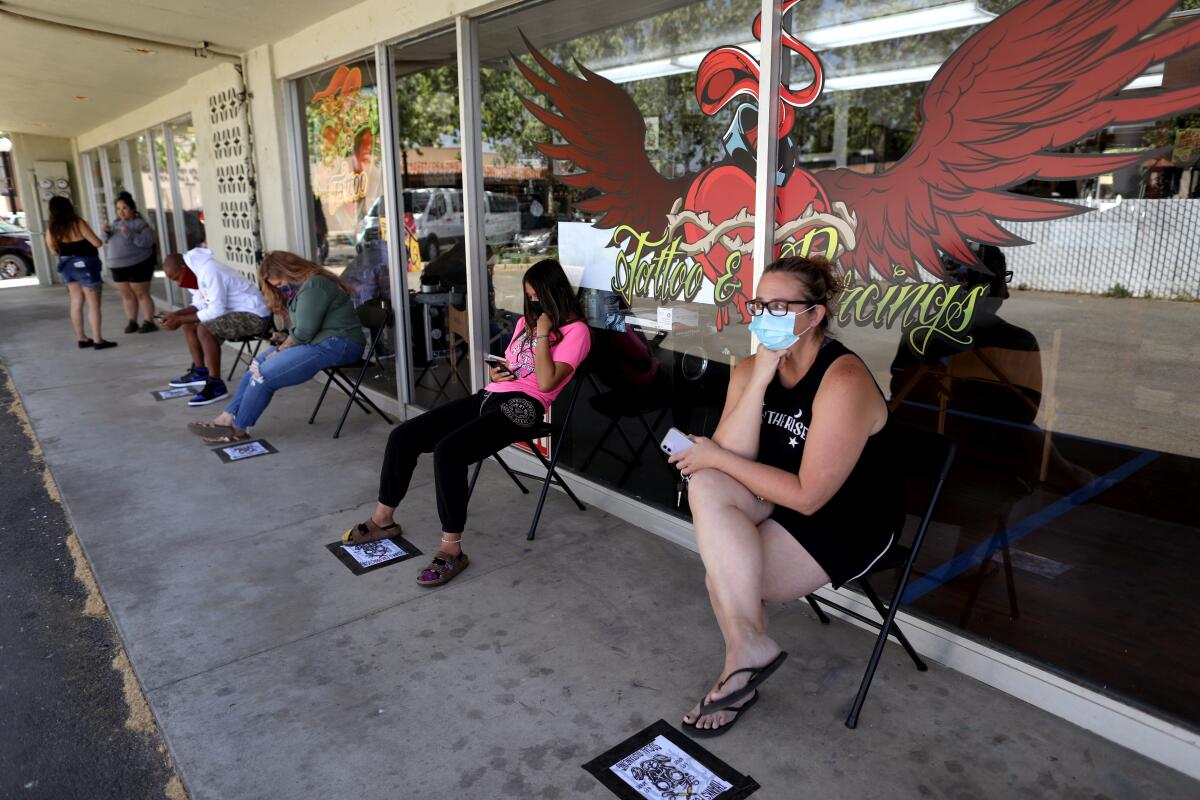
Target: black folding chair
[[246, 353], [558, 431], [334, 376], [926, 457]]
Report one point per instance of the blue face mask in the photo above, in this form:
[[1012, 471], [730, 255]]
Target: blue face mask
[[777, 333]]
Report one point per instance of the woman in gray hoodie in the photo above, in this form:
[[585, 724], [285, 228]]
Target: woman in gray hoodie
[[130, 257]]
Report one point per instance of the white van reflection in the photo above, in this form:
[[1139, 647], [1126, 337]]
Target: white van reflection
[[437, 219]]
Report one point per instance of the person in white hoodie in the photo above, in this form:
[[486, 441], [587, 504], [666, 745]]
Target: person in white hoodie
[[225, 305]]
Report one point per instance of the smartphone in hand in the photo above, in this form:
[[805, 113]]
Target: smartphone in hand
[[498, 362], [676, 441]]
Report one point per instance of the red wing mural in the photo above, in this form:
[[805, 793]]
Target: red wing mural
[[1042, 76]]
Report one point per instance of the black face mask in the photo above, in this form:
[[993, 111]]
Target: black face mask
[[535, 307]]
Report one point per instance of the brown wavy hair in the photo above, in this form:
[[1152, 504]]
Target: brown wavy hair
[[559, 300], [289, 267], [816, 275]]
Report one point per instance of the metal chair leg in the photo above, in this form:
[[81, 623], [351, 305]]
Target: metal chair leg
[[551, 474], [233, 367], [552, 471], [887, 613], [816, 607], [511, 473], [887, 628], [321, 399], [353, 398]]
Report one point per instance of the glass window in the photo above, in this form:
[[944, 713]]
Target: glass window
[[99, 195], [345, 189], [116, 172], [165, 196], [429, 157], [143, 189], [634, 157], [1068, 502], [1067, 383], [189, 183]]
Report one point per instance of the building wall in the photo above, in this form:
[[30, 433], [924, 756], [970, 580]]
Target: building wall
[[28, 149]]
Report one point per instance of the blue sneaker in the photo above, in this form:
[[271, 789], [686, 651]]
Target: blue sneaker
[[213, 391], [196, 376]]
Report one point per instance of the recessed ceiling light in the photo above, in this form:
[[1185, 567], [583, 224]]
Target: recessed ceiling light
[[142, 51], [81, 97]]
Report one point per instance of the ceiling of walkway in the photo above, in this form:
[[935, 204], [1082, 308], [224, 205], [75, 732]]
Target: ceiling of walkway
[[47, 67]]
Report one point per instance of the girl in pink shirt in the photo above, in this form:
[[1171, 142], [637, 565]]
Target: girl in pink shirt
[[549, 343]]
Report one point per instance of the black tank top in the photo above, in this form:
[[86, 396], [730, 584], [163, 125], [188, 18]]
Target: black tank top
[[81, 248], [869, 493]]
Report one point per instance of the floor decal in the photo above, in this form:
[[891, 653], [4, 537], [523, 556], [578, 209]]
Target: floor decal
[[171, 394], [244, 450], [660, 763], [361, 558]]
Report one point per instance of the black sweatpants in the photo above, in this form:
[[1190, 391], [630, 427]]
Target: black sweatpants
[[458, 434]]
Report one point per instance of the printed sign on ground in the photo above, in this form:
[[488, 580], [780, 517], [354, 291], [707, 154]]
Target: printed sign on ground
[[361, 558], [244, 450], [171, 394], [660, 762]]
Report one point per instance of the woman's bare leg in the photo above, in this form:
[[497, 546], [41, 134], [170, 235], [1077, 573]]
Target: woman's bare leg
[[75, 292], [92, 295], [145, 302], [748, 559], [128, 300]]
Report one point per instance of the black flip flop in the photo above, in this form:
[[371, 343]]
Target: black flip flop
[[706, 733], [757, 676]]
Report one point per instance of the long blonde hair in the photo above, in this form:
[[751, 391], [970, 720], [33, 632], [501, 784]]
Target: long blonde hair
[[282, 265]]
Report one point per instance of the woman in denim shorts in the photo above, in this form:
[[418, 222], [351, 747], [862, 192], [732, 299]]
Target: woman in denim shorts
[[75, 243]]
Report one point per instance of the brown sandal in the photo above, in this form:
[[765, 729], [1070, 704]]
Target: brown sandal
[[210, 429], [369, 531], [443, 569], [233, 437]]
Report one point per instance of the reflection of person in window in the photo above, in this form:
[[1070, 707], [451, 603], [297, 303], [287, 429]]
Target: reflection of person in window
[[793, 490], [997, 379], [362, 160]]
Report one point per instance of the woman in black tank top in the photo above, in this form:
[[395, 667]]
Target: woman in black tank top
[[76, 245], [791, 492]]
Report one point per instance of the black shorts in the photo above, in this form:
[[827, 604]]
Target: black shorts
[[845, 545], [138, 273]]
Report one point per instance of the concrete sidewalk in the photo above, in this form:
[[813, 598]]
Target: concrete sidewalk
[[276, 673]]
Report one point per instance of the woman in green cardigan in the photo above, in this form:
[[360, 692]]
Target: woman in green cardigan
[[324, 333]]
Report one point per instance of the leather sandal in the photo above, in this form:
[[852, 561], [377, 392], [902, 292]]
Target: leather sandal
[[207, 428], [443, 569], [233, 437], [369, 531]]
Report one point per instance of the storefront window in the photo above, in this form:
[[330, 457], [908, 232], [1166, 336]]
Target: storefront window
[[165, 195], [1065, 528], [189, 183], [96, 185], [631, 154], [143, 190], [428, 150], [345, 188]]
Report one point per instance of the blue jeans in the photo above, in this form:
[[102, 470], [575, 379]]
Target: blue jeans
[[287, 368]]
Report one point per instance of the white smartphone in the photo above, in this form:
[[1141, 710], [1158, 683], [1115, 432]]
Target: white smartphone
[[498, 362], [676, 441]]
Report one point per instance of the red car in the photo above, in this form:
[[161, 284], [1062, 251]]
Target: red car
[[16, 256]]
